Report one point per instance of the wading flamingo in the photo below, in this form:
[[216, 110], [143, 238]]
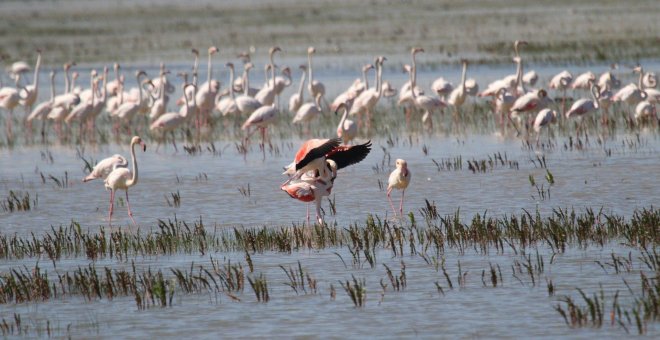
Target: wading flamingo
[[103, 168], [296, 99], [347, 129], [399, 179], [123, 178]]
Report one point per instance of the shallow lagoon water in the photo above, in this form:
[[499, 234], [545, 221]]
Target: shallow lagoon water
[[616, 173]]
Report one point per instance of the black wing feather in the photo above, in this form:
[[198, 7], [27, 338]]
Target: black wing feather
[[319, 151], [350, 155]]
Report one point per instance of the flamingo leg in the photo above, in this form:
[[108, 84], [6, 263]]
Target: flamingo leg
[[112, 205], [401, 204], [130, 214], [389, 198], [10, 117], [263, 142], [319, 218], [307, 213], [174, 142]]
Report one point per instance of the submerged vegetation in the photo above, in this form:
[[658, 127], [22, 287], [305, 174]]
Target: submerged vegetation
[[533, 243]]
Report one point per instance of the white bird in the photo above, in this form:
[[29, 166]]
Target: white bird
[[585, 106], [296, 99], [308, 111], [123, 178], [583, 81], [159, 104], [9, 99], [367, 100], [246, 104], [31, 91], [168, 122], [543, 119], [399, 179], [266, 96], [103, 168], [260, 119], [347, 129], [314, 86], [41, 111], [644, 110], [458, 95], [227, 106], [126, 111]]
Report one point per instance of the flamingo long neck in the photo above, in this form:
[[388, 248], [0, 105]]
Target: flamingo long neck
[[519, 81], [208, 72], [310, 70], [288, 80], [185, 98], [195, 68], [246, 82], [105, 87], [379, 76], [364, 78], [134, 178], [414, 68], [67, 85], [272, 69], [92, 85], [413, 84], [161, 88], [52, 87], [343, 118], [231, 82], [302, 85], [596, 95], [139, 88], [463, 76], [35, 79], [640, 83]]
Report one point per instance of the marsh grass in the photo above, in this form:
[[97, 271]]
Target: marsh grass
[[19, 201]]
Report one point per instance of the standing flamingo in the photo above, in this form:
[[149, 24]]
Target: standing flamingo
[[260, 119], [399, 179], [307, 112], [562, 81], [367, 100], [9, 99], [159, 104], [126, 111], [458, 95], [354, 90], [424, 102], [42, 110], [347, 129], [227, 106], [543, 119], [296, 99], [584, 106], [32, 90], [245, 103], [207, 91], [266, 96], [170, 121], [315, 87], [123, 178]]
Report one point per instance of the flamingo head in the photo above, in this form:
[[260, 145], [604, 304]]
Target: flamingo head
[[195, 52], [403, 165], [311, 50], [407, 68], [367, 67], [230, 65], [248, 66], [274, 49], [303, 67], [416, 50], [244, 56], [138, 140], [213, 50]]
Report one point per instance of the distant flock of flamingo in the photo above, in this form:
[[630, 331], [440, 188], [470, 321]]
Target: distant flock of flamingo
[[315, 166]]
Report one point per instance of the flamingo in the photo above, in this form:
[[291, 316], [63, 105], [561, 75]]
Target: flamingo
[[159, 105], [313, 186], [126, 111], [113, 87], [308, 112], [42, 110], [296, 99], [458, 95], [530, 78], [314, 86], [207, 91], [227, 106], [544, 118], [103, 168], [16, 69], [509, 82], [246, 104], [562, 81], [347, 129], [100, 102], [399, 179], [260, 119], [644, 110], [168, 122], [607, 81], [123, 178], [32, 90], [424, 102], [83, 110], [310, 157], [585, 106], [367, 100], [632, 94], [266, 96], [63, 103], [583, 81], [9, 99]]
